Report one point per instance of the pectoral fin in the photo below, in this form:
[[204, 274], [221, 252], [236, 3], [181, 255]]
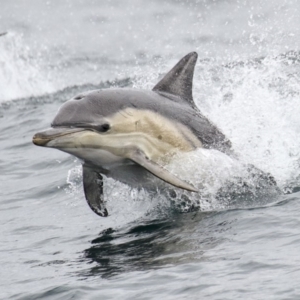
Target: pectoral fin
[[140, 158], [93, 190]]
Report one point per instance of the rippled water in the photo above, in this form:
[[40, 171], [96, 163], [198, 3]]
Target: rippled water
[[247, 82]]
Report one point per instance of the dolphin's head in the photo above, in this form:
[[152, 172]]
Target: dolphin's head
[[82, 127], [88, 110]]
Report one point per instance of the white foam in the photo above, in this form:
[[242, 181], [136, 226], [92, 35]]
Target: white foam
[[257, 107], [21, 74]]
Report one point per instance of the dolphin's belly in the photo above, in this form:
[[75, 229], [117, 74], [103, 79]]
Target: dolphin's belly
[[99, 157], [120, 169]]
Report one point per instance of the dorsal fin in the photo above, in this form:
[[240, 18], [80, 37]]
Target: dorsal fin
[[179, 81]]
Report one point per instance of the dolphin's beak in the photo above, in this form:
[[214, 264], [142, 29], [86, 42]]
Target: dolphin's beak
[[42, 138]]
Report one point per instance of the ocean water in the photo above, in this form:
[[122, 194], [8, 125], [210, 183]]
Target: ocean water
[[247, 81]]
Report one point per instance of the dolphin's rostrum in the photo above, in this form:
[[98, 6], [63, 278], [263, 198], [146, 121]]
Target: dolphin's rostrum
[[130, 134]]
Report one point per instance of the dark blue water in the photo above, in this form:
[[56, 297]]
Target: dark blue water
[[247, 82]]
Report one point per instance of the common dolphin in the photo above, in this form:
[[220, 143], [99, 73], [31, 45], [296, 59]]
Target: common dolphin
[[130, 134]]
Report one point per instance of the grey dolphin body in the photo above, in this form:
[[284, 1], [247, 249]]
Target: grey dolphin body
[[129, 134]]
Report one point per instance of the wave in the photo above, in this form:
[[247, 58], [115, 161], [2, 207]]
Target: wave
[[32, 71], [21, 73]]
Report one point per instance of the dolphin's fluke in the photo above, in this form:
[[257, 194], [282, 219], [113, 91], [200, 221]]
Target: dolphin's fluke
[[141, 159], [179, 81], [93, 190]]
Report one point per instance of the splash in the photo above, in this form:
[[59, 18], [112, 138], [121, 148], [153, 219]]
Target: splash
[[21, 74], [256, 104], [223, 182], [124, 204], [74, 181]]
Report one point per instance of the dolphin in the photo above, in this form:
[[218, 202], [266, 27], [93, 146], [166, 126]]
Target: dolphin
[[131, 134]]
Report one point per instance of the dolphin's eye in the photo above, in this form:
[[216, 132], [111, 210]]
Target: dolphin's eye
[[104, 127]]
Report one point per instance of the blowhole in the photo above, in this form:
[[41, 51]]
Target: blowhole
[[79, 97]]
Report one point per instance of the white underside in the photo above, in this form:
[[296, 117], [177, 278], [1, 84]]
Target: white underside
[[98, 157]]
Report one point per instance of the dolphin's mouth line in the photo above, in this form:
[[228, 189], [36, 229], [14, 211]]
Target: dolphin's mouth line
[[42, 138]]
